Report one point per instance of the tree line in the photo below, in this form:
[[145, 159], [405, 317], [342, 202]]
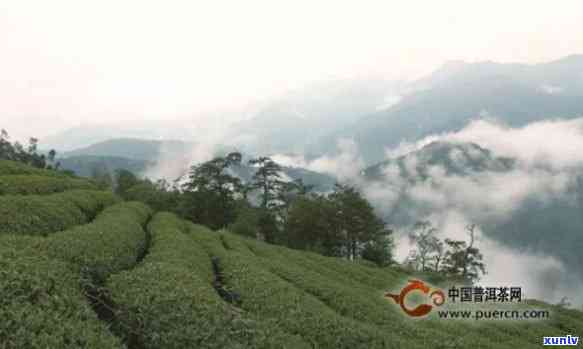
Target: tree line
[[28, 154], [341, 223]]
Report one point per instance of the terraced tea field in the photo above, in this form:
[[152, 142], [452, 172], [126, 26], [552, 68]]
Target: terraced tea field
[[79, 268]]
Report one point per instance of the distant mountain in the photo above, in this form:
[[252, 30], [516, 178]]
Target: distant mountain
[[139, 155], [286, 123], [133, 148], [300, 118], [429, 166], [86, 135], [446, 101], [461, 159], [87, 165], [565, 75], [319, 181]]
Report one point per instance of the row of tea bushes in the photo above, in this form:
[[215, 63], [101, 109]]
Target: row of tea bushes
[[316, 275], [41, 185], [168, 301], [42, 304], [361, 303], [377, 278], [113, 242], [43, 281], [270, 297], [45, 214]]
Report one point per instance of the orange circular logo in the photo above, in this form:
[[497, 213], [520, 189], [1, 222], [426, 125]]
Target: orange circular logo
[[437, 296]]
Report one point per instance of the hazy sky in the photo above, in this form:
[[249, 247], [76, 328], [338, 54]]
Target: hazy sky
[[67, 62]]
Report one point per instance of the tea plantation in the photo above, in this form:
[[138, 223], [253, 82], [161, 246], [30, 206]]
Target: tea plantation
[[79, 268]]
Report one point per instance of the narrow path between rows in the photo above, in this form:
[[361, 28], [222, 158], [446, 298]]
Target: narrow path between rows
[[100, 300]]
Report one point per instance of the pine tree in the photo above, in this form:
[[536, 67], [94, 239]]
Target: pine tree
[[267, 179], [354, 220], [210, 193]]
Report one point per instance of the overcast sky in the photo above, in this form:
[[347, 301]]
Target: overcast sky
[[68, 62]]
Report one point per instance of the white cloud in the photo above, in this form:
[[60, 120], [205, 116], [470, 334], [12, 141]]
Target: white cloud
[[290, 160], [552, 90], [172, 166], [345, 165], [407, 147], [389, 101], [547, 153], [554, 143], [540, 276]]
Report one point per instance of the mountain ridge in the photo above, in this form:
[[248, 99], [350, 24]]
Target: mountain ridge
[[451, 103]]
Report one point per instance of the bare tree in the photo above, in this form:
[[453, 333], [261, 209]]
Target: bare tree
[[471, 230], [423, 235], [564, 303], [464, 258], [439, 254]]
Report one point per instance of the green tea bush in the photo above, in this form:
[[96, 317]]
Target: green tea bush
[[360, 302], [111, 243], [45, 214], [168, 301], [41, 303], [10, 242], [378, 278], [170, 244], [35, 184], [8, 167], [91, 202], [353, 290], [270, 297]]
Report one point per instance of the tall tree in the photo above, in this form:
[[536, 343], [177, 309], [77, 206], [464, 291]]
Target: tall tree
[[464, 258], [124, 180], [354, 219], [5, 145], [102, 176], [379, 250], [426, 243], [210, 192], [247, 219], [309, 226], [267, 179], [291, 191], [440, 250]]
